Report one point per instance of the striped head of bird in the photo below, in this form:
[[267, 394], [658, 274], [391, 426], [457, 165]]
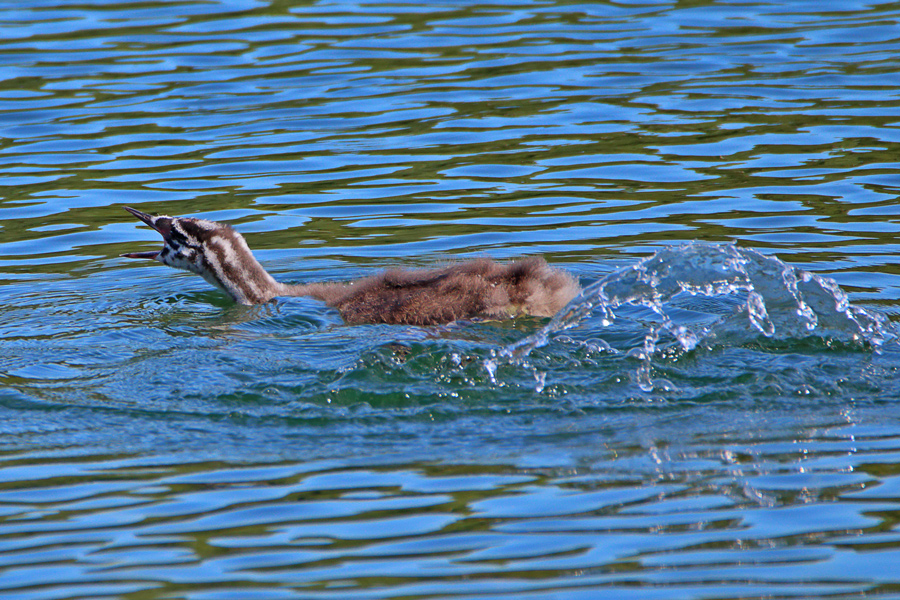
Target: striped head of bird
[[215, 251]]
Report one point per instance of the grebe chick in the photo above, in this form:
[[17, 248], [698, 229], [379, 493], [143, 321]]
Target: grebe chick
[[478, 289]]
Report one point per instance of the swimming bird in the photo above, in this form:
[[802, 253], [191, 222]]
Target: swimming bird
[[477, 289]]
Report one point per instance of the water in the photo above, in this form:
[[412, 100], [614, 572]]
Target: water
[[715, 417], [718, 295]]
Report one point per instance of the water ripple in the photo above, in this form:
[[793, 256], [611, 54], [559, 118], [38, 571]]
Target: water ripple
[[160, 441]]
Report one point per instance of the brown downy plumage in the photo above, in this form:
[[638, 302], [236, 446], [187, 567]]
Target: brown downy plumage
[[470, 290]]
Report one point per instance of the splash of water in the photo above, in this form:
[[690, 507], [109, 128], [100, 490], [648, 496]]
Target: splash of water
[[777, 300]]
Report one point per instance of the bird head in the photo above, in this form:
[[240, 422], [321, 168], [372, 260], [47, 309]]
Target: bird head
[[212, 250], [184, 240]]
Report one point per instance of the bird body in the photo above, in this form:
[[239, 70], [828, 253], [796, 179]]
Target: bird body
[[475, 289]]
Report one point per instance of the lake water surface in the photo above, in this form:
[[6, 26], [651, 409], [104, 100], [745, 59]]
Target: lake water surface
[[713, 422]]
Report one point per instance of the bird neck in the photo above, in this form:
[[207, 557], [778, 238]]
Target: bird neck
[[240, 275], [229, 264]]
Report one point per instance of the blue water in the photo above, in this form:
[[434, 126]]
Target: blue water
[[672, 434]]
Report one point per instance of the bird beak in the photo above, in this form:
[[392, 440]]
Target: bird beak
[[157, 223]]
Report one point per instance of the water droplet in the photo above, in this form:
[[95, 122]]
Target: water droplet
[[778, 300]]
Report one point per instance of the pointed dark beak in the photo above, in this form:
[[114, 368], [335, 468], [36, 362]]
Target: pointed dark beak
[[151, 221]]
